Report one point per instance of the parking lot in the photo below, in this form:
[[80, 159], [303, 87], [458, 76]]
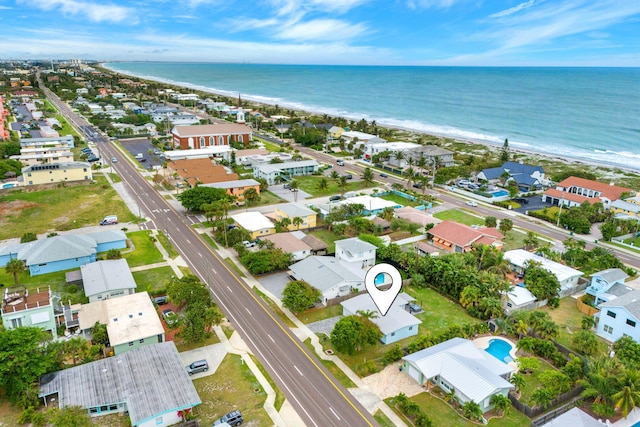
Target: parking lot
[[535, 203], [142, 146]]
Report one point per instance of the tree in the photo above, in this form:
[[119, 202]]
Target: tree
[[335, 175], [297, 222], [542, 283], [531, 241], [387, 213], [472, 410], [506, 225], [25, 355], [299, 295], [555, 381], [542, 397], [28, 237], [504, 152], [629, 396], [70, 416], [501, 403], [367, 176], [99, 334], [521, 328], [342, 184], [195, 198], [586, 342], [16, 267], [587, 322], [352, 333], [470, 296], [187, 290], [285, 223], [518, 380], [323, 184], [490, 221], [251, 196], [294, 185]]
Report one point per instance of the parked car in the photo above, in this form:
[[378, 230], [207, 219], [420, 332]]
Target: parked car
[[463, 183], [349, 176], [417, 185], [335, 198], [170, 317], [340, 162], [472, 203], [233, 418], [197, 367], [92, 159], [114, 160], [286, 187], [473, 186], [160, 300], [383, 175], [248, 243], [109, 220], [143, 160], [521, 200]]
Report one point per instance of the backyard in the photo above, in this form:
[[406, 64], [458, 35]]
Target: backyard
[[144, 251], [459, 215], [310, 185]]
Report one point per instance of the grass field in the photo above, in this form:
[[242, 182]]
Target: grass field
[[532, 382], [154, 280], [166, 244], [319, 313], [233, 386], [59, 209], [399, 200], [280, 397], [145, 251], [329, 237], [66, 127], [332, 367], [460, 216], [310, 185], [439, 313]]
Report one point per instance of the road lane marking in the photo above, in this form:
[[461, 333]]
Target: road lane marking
[[247, 310], [188, 241], [229, 289], [334, 413], [274, 341], [200, 255], [300, 373]]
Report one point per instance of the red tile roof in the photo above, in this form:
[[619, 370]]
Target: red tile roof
[[212, 130], [570, 196], [611, 192], [463, 235]]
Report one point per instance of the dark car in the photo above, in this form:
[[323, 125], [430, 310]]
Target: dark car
[[417, 185], [383, 175], [233, 418], [521, 200], [142, 160], [161, 300], [93, 159], [349, 176]]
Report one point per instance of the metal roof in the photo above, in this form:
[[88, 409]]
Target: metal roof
[[150, 380], [293, 210], [354, 245], [101, 276], [324, 273]]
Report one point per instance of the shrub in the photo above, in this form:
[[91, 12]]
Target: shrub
[[395, 353]]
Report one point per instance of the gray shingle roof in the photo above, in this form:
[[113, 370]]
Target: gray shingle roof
[[57, 248], [102, 276], [630, 302], [150, 379], [323, 273], [611, 275]]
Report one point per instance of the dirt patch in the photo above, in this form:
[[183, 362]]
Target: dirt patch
[[391, 381], [15, 207]]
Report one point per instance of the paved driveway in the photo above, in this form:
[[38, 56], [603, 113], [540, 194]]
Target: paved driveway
[[288, 195], [324, 326], [535, 203], [275, 283], [142, 146], [213, 354]]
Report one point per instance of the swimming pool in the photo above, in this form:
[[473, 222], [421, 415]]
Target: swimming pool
[[379, 279], [499, 193], [9, 185], [500, 350]]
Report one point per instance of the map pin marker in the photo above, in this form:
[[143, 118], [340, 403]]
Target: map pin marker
[[383, 299]]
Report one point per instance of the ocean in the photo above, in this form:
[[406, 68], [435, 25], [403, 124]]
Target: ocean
[[591, 114]]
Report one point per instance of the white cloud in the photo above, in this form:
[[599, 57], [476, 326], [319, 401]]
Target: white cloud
[[322, 30], [93, 11], [514, 9]]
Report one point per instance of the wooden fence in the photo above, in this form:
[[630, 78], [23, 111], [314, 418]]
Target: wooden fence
[[586, 308], [538, 410]]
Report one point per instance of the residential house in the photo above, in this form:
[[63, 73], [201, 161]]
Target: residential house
[[455, 237], [295, 210], [62, 252], [289, 243], [620, 317], [607, 285], [574, 191], [201, 136], [58, 141], [359, 138], [255, 223], [334, 133], [416, 216], [243, 157], [286, 170], [132, 321], [57, 172], [519, 260], [200, 171], [356, 252], [457, 366], [237, 187], [424, 249], [433, 154], [183, 119], [393, 148], [574, 417], [517, 298], [627, 209], [372, 205], [44, 155], [107, 279], [149, 384], [331, 277], [397, 324], [24, 307], [270, 158], [528, 177], [318, 246]]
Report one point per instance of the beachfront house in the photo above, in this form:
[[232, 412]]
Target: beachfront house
[[628, 208], [619, 317], [528, 177], [392, 148], [574, 191], [397, 324], [457, 366], [149, 385]]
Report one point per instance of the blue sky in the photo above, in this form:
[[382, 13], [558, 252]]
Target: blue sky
[[376, 32]]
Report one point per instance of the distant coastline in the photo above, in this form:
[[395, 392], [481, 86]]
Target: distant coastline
[[524, 149]]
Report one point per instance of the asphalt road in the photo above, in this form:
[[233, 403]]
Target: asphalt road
[[318, 398]]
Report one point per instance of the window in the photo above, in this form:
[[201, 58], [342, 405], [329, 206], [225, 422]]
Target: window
[[608, 329], [113, 407], [220, 140], [210, 140], [141, 341], [16, 323], [411, 328], [631, 323], [509, 305], [93, 410], [393, 334], [130, 343], [202, 141], [611, 314]]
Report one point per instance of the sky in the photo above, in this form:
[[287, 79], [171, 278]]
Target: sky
[[350, 32]]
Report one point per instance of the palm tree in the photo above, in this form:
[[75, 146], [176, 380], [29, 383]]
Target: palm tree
[[587, 322], [294, 185], [521, 328], [285, 223], [335, 175], [16, 267], [517, 380], [470, 296], [472, 410], [542, 397], [398, 155], [342, 185], [250, 195], [500, 403], [323, 184], [411, 175], [629, 396], [368, 314], [531, 241], [297, 221], [367, 176], [387, 213]]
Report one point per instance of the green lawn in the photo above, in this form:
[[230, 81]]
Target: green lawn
[[268, 198], [460, 216], [166, 244], [66, 127], [399, 200], [332, 367], [233, 386], [319, 313], [310, 185], [382, 419], [328, 237], [439, 312], [443, 415], [274, 307], [145, 251], [62, 208], [532, 382], [153, 281]]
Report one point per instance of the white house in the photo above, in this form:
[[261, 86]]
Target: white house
[[331, 277], [271, 172], [567, 276], [517, 298], [397, 324], [107, 279], [620, 317], [607, 285], [372, 149], [356, 252], [460, 367]]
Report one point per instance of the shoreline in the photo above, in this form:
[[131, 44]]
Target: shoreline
[[490, 145]]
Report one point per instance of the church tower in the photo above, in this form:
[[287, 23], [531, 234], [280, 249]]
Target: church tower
[[240, 116]]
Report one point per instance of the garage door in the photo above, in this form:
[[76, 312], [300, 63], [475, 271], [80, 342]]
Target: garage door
[[415, 374]]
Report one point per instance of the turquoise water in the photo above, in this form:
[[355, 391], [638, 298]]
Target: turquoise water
[[588, 113], [499, 193], [636, 424], [379, 279], [9, 185], [500, 350]]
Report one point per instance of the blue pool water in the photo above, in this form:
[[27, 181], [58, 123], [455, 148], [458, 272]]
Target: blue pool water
[[499, 193], [379, 280], [636, 424], [9, 185], [500, 350]]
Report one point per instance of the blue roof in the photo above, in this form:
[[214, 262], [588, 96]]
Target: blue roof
[[520, 172]]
